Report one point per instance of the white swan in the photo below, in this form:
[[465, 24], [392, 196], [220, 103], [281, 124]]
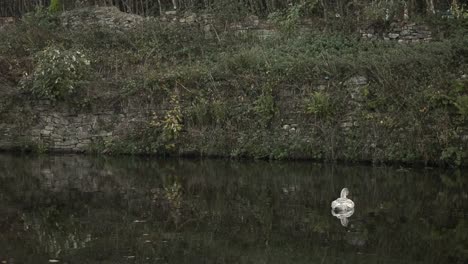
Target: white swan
[[343, 204]]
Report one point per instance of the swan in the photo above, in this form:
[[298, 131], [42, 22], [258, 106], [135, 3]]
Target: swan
[[343, 204]]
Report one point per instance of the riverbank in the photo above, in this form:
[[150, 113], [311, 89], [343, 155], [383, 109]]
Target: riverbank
[[153, 87]]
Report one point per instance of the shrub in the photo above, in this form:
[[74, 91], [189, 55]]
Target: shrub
[[172, 124], [245, 60], [57, 73], [33, 33], [461, 103], [264, 106], [54, 6], [287, 20], [42, 18], [379, 11], [458, 11], [319, 104]]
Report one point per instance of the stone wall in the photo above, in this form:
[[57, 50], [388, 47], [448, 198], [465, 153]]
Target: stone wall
[[112, 18], [404, 32], [109, 17], [6, 21], [65, 129], [61, 127]]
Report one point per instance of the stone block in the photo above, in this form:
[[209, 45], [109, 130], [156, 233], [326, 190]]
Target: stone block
[[358, 80], [46, 132], [393, 35], [405, 32], [171, 13]]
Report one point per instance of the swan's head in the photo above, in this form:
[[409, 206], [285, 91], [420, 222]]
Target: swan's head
[[344, 193]]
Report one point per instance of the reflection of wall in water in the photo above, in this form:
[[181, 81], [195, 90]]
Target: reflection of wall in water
[[258, 200]]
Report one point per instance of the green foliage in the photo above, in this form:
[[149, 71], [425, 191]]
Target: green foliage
[[165, 41], [57, 74], [220, 111], [229, 85], [33, 33], [287, 20], [453, 156], [41, 17], [380, 11], [247, 59], [204, 112], [171, 124], [55, 6], [264, 106], [34, 146], [458, 11], [319, 104], [229, 11], [461, 103], [455, 98], [200, 111]]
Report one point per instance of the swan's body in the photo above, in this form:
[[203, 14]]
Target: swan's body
[[343, 204]]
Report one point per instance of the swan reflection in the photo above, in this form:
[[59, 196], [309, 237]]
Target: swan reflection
[[343, 216]]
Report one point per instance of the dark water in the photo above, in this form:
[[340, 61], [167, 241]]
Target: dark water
[[76, 209]]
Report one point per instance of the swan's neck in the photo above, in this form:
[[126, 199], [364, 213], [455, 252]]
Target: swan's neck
[[344, 192]]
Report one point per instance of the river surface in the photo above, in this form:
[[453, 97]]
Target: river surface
[[81, 209]]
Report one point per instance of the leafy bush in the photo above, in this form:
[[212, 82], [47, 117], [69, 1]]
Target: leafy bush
[[57, 74]]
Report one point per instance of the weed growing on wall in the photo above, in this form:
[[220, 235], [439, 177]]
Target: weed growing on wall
[[55, 6], [172, 124], [319, 104], [264, 106]]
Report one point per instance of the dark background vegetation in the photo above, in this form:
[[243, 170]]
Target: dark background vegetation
[[259, 7]]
